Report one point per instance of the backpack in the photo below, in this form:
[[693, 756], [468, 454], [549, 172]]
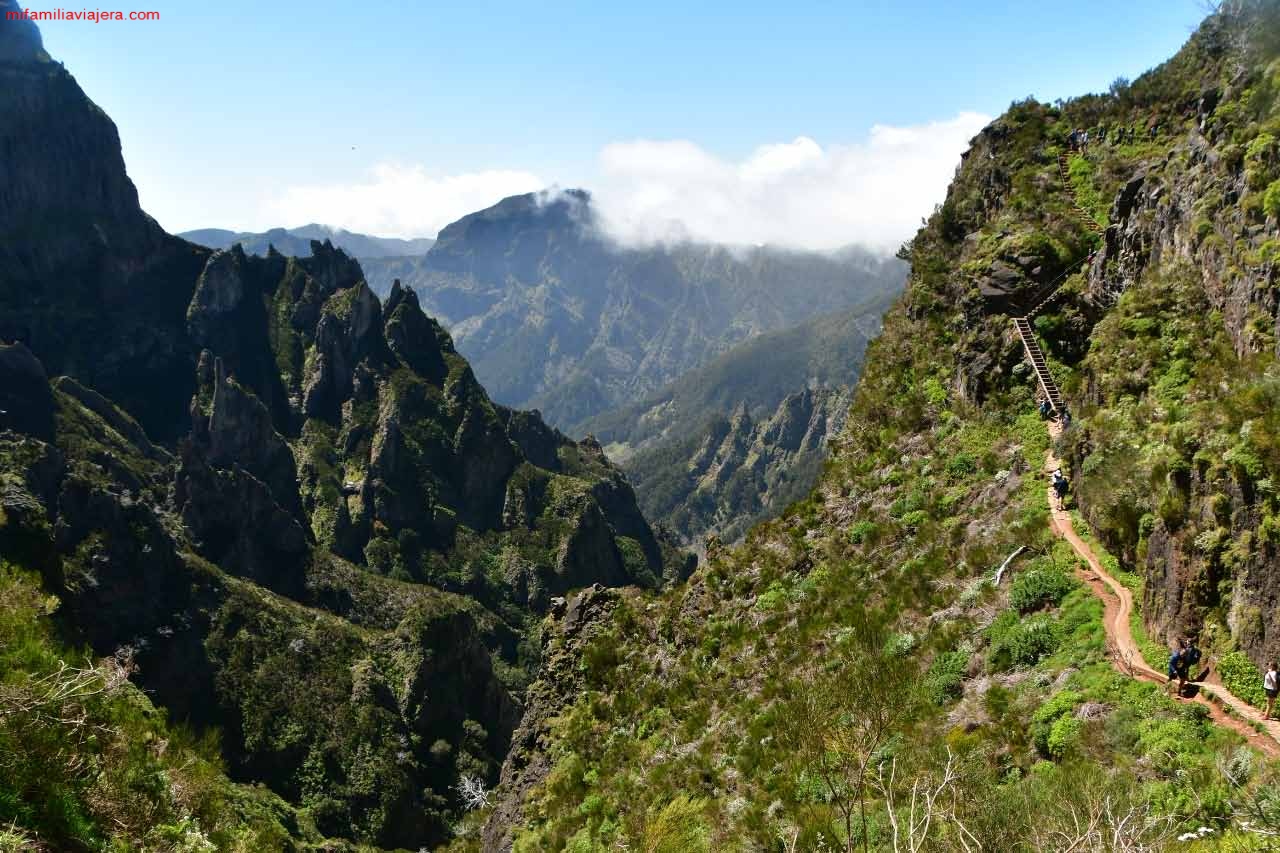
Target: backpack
[[1192, 656]]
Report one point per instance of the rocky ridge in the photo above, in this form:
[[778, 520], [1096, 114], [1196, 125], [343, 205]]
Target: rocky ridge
[[290, 504]]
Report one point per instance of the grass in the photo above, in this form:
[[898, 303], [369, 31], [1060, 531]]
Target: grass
[[87, 762]]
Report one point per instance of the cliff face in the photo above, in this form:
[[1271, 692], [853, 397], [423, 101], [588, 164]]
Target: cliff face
[[289, 503], [87, 279], [724, 478], [1184, 288]]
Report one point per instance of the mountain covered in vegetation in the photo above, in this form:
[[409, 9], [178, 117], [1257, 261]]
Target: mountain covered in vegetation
[[741, 438], [277, 574], [557, 316], [910, 658], [297, 242], [272, 560]]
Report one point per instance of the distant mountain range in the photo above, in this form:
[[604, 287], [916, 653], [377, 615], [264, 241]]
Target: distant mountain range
[[556, 316], [297, 241]]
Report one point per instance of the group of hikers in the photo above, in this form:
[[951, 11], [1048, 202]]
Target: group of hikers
[[1118, 134], [1049, 413], [1185, 655]]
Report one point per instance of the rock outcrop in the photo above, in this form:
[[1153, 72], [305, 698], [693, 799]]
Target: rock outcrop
[[566, 633], [293, 507], [738, 470]]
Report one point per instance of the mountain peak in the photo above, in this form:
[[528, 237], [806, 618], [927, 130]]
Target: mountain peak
[[20, 39]]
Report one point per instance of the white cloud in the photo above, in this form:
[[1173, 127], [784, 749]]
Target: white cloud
[[396, 201], [796, 193]]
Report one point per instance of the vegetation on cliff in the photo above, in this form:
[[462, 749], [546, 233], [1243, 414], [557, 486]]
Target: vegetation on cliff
[[852, 677]]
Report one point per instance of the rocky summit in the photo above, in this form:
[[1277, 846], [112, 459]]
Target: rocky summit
[[284, 507], [556, 315]]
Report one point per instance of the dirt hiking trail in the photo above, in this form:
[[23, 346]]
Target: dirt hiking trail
[[1123, 651]]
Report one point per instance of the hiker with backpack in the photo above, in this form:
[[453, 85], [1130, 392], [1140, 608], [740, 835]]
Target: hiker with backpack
[[1190, 659], [1046, 409], [1271, 686], [1060, 487], [1175, 666]]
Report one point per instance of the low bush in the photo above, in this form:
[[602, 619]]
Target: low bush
[[1040, 587], [1242, 678]]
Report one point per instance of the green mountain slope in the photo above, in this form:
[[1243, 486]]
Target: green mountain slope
[[289, 507], [853, 677], [734, 442], [720, 480], [826, 351], [556, 316]]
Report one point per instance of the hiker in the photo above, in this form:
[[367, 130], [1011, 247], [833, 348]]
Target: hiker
[[1175, 667], [1270, 686], [1190, 658], [1073, 139], [1060, 486], [1045, 409]]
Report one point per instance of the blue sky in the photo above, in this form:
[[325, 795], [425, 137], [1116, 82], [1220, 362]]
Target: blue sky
[[396, 116]]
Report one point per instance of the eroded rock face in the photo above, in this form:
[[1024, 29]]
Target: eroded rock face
[[88, 281], [742, 469], [565, 634], [233, 428]]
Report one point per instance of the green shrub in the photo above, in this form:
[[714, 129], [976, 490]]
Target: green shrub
[[1242, 678], [1043, 586], [1020, 642], [961, 465], [1059, 707], [1271, 199], [1064, 734], [863, 531], [945, 679]]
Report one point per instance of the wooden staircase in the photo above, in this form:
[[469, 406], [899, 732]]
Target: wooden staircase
[[1038, 363], [1023, 324]]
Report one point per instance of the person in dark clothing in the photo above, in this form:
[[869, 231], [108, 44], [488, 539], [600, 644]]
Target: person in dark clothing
[[1190, 660], [1175, 666], [1045, 409], [1060, 487], [1189, 657]]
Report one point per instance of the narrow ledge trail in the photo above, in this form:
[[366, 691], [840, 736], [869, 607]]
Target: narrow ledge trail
[[1123, 652]]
